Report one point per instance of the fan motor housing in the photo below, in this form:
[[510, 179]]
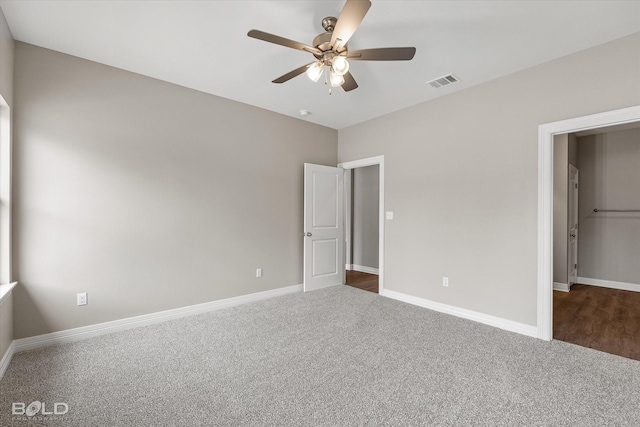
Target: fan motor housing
[[323, 42]]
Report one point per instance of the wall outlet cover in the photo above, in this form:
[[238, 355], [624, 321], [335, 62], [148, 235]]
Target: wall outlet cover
[[82, 298]]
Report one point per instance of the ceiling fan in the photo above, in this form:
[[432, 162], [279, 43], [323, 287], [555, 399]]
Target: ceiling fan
[[331, 51]]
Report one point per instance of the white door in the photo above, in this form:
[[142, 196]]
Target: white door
[[323, 226], [572, 257]]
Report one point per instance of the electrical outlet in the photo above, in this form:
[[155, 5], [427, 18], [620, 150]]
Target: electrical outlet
[[82, 298], [258, 272], [445, 281]]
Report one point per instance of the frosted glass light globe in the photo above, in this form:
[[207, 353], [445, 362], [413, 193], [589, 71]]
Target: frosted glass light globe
[[340, 65]]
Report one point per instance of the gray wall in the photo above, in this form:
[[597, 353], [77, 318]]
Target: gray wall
[[609, 243], [365, 225], [461, 175], [6, 91], [560, 207], [147, 195]]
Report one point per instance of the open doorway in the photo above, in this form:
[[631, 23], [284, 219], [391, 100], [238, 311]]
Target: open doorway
[[364, 226], [602, 122], [597, 297]]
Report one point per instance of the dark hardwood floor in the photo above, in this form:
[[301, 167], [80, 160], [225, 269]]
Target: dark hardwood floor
[[364, 281], [600, 318]]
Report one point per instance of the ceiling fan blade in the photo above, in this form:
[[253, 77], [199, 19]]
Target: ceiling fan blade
[[271, 38], [349, 83], [383, 54], [292, 74], [349, 20]]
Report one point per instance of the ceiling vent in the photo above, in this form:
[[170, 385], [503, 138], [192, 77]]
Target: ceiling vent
[[444, 81]]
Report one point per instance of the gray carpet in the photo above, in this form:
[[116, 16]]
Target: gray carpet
[[338, 356]]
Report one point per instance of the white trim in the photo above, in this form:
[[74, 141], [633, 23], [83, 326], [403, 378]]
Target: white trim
[[364, 269], [546, 133], [6, 176], [5, 290], [84, 332], [497, 322], [572, 264], [564, 287], [609, 284], [348, 178], [6, 359], [370, 161]]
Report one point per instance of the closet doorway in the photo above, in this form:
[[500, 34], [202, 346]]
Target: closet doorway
[[596, 298], [546, 134]]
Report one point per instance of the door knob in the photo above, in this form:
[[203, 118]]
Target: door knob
[[573, 235], [307, 234]]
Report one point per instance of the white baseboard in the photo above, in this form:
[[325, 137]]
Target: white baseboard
[[90, 331], [6, 359], [498, 322], [364, 269], [557, 286], [609, 284]]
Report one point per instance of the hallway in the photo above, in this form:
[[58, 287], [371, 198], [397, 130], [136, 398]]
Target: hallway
[[364, 281]]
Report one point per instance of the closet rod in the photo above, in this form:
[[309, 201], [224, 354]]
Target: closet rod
[[616, 210]]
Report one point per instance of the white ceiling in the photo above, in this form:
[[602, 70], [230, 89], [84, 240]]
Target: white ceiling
[[203, 44]]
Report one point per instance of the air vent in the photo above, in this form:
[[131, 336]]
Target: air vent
[[443, 81]]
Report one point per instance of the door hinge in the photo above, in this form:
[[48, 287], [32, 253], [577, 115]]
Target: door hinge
[[575, 265], [576, 185]]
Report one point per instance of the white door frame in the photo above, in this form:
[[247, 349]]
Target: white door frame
[[571, 223], [6, 149], [370, 161], [546, 133], [348, 179]]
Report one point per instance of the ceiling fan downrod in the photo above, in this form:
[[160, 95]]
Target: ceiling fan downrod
[[329, 23]]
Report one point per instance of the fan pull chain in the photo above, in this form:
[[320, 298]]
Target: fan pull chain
[[326, 80]]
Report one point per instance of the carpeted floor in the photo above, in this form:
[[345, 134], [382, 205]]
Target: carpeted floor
[[338, 356]]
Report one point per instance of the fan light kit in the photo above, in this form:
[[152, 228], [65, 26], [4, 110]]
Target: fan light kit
[[331, 51], [337, 65]]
